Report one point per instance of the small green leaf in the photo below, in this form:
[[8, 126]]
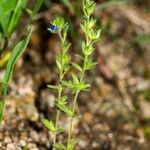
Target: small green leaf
[[50, 125], [65, 109], [75, 79], [75, 85], [87, 49], [71, 144], [65, 46], [77, 67], [88, 7], [83, 27], [53, 87], [79, 56], [59, 146], [62, 101], [90, 64], [58, 62]]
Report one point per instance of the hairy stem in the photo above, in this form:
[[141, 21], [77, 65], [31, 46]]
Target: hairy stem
[[57, 117], [59, 97], [74, 107], [71, 121]]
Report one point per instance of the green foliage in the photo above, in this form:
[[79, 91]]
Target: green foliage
[[71, 144], [10, 14], [59, 146], [63, 61], [11, 11], [88, 7], [61, 104], [21, 4], [16, 54], [50, 125], [76, 85]]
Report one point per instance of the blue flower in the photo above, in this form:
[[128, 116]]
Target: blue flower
[[53, 28]]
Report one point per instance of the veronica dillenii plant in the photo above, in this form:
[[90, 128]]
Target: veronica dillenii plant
[[77, 83]]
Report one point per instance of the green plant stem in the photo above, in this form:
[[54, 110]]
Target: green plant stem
[[57, 118], [58, 111], [71, 121], [74, 107]]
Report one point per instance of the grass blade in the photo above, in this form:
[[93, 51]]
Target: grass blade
[[16, 54], [16, 15], [2, 18]]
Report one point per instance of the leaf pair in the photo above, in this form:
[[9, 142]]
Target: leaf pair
[[50, 125], [88, 7], [61, 104], [76, 85]]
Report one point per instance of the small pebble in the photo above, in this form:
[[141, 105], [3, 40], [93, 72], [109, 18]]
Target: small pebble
[[11, 146], [34, 136], [7, 140], [22, 143], [31, 146]]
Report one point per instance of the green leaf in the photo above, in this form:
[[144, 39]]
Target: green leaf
[[76, 87], [79, 56], [75, 79], [21, 4], [77, 67], [8, 5], [37, 6], [87, 49], [16, 54], [58, 62], [65, 109], [90, 64], [65, 45], [59, 146], [53, 87], [71, 144], [88, 7], [50, 125], [62, 101], [83, 27], [2, 19]]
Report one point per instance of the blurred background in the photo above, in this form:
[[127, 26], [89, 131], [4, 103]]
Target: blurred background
[[115, 114]]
